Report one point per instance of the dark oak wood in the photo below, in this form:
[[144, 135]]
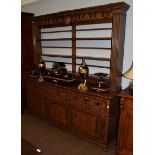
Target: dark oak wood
[[57, 31], [93, 58], [26, 52], [94, 29], [103, 48], [96, 14], [55, 55], [125, 131], [56, 39], [74, 50], [80, 64], [55, 47], [101, 38], [90, 115], [77, 47], [77, 57], [114, 13]]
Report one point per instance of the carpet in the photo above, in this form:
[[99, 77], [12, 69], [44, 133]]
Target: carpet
[[54, 141]]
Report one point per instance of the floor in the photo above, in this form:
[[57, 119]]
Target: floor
[[54, 141]]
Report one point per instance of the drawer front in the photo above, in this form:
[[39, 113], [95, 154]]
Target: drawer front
[[37, 89], [98, 106], [61, 96], [90, 104], [76, 102]]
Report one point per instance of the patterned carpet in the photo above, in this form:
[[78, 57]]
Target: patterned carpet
[[54, 141]]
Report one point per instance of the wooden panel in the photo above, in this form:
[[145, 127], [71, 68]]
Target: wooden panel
[[26, 41], [58, 114], [84, 114], [118, 37], [36, 43], [80, 120], [125, 132], [91, 125], [86, 124], [26, 53], [61, 96], [102, 129], [37, 106]]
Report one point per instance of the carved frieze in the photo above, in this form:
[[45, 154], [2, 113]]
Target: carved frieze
[[91, 14]]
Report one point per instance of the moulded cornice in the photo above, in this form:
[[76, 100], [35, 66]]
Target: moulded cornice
[[101, 13]]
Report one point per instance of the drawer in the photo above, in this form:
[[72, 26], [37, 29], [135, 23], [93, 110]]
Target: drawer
[[37, 89], [90, 104], [77, 102], [60, 95], [96, 105]]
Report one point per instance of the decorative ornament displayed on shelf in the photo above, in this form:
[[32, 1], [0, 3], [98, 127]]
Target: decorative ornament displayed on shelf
[[41, 67], [83, 73]]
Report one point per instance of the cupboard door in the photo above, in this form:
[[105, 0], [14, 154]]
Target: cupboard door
[[58, 114], [36, 106], [39, 107], [79, 123], [85, 124], [102, 129], [91, 125]]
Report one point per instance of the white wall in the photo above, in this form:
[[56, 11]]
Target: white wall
[[42, 7]]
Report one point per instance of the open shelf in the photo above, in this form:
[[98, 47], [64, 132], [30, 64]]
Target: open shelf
[[102, 38], [101, 48], [80, 64], [54, 55], [92, 33]]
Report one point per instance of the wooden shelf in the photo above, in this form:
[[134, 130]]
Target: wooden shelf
[[102, 48], [101, 38], [80, 64], [55, 47], [57, 39], [95, 29], [93, 58], [78, 57], [74, 22], [57, 31], [54, 55]]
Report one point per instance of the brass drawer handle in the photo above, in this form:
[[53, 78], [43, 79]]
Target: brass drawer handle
[[86, 98], [97, 103]]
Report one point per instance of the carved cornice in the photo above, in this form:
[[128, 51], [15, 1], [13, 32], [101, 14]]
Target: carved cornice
[[102, 13]]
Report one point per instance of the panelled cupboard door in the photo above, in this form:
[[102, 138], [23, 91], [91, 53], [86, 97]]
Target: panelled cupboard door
[[125, 133], [57, 114], [84, 123], [102, 125], [37, 106], [40, 108]]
